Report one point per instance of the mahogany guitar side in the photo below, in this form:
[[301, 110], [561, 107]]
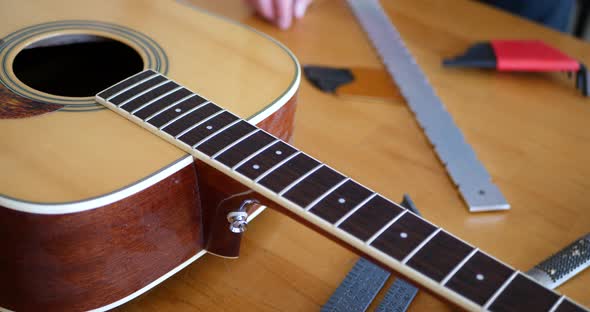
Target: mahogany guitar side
[[93, 210], [261, 165], [103, 257], [286, 178]]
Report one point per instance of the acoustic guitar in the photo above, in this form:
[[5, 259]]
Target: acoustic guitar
[[95, 211]]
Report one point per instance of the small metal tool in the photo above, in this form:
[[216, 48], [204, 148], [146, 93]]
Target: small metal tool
[[564, 264], [358, 289], [398, 297]]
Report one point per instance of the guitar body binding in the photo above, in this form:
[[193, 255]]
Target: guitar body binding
[[93, 210]]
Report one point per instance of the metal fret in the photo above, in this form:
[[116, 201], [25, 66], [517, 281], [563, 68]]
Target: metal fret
[[288, 187], [402, 207], [370, 217], [407, 240], [235, 142], [556, 305], [317, 200], [142, 93], [215, 133], [290, 171], [385, 227], [271, 169], [154, 100], [197, 124], [353, 210], [254, 154], [533, 296], [173, 104], [131, 86], [500, 290], [458, 267], [413, 252], [183, 114]]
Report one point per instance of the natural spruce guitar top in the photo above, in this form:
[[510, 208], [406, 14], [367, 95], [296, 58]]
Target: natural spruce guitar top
[[327, 199]]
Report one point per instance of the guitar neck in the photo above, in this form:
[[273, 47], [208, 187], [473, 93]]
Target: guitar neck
[[329, 200]]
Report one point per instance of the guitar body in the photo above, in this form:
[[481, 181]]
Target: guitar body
[[93, 209]]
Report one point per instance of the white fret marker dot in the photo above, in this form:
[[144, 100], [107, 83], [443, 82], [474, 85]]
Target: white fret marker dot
[[403, 234], [209, 127], [256, 167], [278, 152], [178, 110], [479, 277], [341, 200]]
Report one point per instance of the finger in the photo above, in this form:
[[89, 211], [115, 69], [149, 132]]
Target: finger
[[301, 7], [265, 8], [284, 13]]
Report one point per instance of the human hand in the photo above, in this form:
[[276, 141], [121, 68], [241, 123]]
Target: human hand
[[280, 12]]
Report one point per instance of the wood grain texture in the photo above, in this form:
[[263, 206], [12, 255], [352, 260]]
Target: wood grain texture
[[226, 137], [439, 256], [221, 194], [141, 100], [529, 130], [331, 208], [191, 118], [403, 236], [295, 168], [537, 297], [12, 106], [464, 280], [263, 161], [162, 103], [207, 128], [371, 83], [175, 111], [568, 306], [125, 84], [245, 148], [313, 186], [282, 124], [257, 69], [142, 87], [86, 260], [370, 218]]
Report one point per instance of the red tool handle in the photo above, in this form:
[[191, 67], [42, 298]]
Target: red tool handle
[[531, 55]]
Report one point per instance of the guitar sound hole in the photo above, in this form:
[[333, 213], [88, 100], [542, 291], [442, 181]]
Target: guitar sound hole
[[75, 65]]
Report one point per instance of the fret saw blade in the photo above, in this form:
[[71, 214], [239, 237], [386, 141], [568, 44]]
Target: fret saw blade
[[398, 297], [358, 289], [467, 172]]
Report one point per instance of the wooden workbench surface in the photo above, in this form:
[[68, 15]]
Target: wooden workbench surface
[[531, 131]]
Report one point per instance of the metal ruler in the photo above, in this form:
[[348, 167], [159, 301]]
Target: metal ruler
[[466, 171]]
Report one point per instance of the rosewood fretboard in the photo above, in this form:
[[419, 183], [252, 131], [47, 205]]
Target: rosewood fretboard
[[324, 197]]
